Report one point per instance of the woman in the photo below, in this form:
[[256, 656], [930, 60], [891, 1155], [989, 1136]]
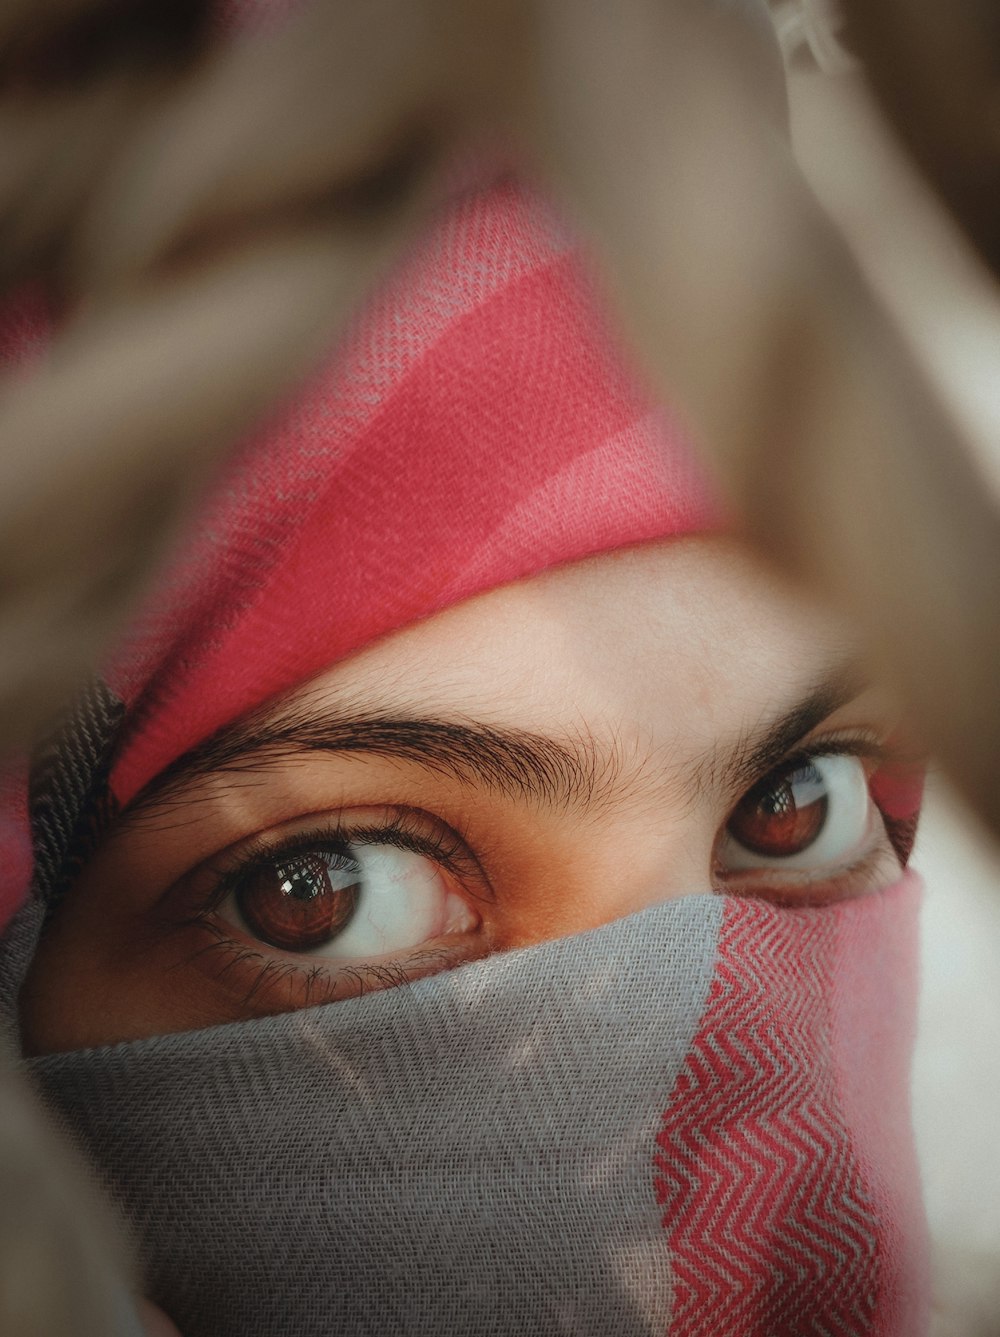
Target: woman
[[456, 670]]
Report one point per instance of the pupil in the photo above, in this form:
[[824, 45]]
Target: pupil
[[293, 904], [779, 802], [784, 814], [305, 880]]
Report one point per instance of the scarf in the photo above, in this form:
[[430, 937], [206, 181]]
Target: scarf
[[692, 1121]]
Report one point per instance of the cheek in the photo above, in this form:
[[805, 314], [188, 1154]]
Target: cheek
[[64, 988], [99, 979], [84, 1008]]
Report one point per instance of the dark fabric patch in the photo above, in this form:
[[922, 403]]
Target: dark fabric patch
[[69, 796]]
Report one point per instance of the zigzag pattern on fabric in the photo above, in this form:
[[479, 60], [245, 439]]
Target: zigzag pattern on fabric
[[770, 1223]]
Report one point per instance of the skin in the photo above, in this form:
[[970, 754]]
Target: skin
[[155, 1323], [665, 660]]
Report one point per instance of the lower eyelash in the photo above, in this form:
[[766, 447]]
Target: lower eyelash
[[319, 985], [902, 833], [827, 889]]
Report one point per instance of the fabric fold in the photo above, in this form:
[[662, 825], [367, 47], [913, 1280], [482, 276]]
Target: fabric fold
[[642, 1129]]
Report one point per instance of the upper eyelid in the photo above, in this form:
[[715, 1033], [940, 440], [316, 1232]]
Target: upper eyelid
[[461, 859], [735, 764], [867, 744], [730, 779], [731, 784], [718, 779], [846, 742]]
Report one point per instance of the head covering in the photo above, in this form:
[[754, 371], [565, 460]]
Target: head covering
[[692, 1121]]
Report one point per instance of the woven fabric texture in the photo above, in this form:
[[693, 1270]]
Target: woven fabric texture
[[475, 1153]]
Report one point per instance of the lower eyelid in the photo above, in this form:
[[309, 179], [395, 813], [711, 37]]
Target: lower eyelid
[[826, 886], [268, 981]]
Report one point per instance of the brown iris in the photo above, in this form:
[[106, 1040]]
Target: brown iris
[[292, 903], [784, 813]]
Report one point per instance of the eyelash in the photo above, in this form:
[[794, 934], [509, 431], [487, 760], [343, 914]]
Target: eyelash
[[420, 832], [878, 750], [864, 743], [319, 984], [403, 828]]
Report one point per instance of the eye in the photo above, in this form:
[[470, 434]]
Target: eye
[[346, 901], [810, 814]]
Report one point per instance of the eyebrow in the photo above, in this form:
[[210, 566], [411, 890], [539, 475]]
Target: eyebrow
[[576, 771], [514, 762]]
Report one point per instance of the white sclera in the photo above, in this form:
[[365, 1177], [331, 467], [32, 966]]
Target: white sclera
[[404, 902], [847, 822]]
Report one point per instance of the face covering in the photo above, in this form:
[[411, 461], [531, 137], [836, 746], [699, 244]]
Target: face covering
[[692, 1121], [683, 1122]]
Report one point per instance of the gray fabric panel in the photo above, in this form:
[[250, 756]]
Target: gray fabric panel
[[471, 1154]]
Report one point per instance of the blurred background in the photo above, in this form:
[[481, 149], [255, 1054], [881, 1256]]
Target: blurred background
[[911, 252], [957, 1069]]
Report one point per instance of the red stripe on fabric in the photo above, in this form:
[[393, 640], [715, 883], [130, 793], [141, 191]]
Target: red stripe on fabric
[[777, 1225], [16, 856], [898, 789], [445, 456], [873, 1016], [480, 247], [25, 329]]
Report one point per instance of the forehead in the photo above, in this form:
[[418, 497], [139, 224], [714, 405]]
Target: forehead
[[641, 680], [690, 636]]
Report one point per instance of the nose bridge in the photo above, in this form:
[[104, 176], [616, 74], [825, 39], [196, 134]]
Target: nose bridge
[[616, 868]]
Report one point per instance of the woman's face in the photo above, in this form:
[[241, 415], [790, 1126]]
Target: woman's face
[[537, 761]]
